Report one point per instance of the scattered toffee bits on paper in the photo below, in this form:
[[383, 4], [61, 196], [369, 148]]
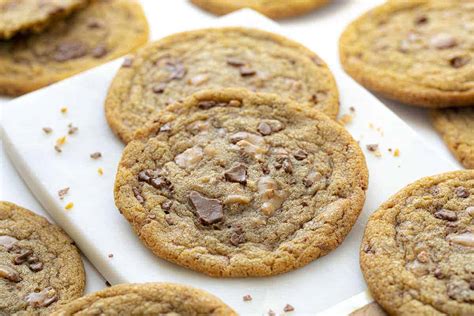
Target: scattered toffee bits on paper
[[47, 130], [63, 192], [247, 298], [96, 155]]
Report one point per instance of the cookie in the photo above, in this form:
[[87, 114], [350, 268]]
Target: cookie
[[275, 9], [147, 299], [235, 184], [179, 65], [33, 15], [456, 126], [417, 254], [40, 268], [105, 30], [418, 52]]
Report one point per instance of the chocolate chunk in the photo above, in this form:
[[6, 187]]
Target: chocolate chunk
[[422, 19], [372, 147], [166, 205], [268, 127], [459, 61], [22, 257], [35, 267], [9, 274], [438, 274], [300, 154], [138, 195], [235, 62], [69, 50], [209, 211], [95, 24], [446, 215], [177, 70], [247, 298], [159, 88], [165, 128], [264, 128], [287, 165], [246, 72], [237, 174], [159, 183], [47, 130], [206, 104], [462, 192], [144, 176], [99, 51], [288, 308], [314, 98], [471, 284], [153, 178], [127, 62], [96, 155], [8, 242], [443, 41], [237, 236], [42, 299]]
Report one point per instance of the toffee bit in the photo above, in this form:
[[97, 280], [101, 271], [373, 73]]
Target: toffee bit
[[396, 152], [61, 141], [247, 298], [345, 119], [47, 130], [100, 171], [63, 110], [288, 308], [96, 155], [62, 193], [69, 206]]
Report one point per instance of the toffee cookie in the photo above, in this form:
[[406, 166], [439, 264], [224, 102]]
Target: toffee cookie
[[105, 30], [40, 268], [456, 126], [33, 15], [275, 9], [147, 299], [417, 254], [177, 66], [418, 52], [233, 184]]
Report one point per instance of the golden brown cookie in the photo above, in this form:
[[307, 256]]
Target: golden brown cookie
[[275, 9], [105, 30], [148, 299], [33, 15], [417, 254], [418, 52], [235, 184], [456, 126], [177, 66], [40, 268]]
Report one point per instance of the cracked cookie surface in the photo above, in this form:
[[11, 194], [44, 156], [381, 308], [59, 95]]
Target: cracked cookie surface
[[173, 68], [105, 30], [17, 16], [417, 253], [234, 184], [40, 268], [148, 299], [418, 52], [276, 9], [456, 126]]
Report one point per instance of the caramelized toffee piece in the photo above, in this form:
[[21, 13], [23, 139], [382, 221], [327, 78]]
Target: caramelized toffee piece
[[417, 254], [260, 185]]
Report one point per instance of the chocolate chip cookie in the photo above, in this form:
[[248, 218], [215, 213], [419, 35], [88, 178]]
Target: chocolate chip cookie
[[275, 9], [103, 31], [147, 299], [40, 268], [417, 254], [232, 183], [33, 15], [456, 126], [177, 66], [418, 52]]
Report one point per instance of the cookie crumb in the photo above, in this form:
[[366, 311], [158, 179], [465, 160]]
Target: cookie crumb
[[345, 119], [110, 255], [47, 130], [288, 308], [64, 110], [107, 284], [58, 149], [100, 171], [72, 129], [96, 155], [69, 206], [352, 109], [374, 148], [271, 313], [396, 153], [62, 193], [247, 298]]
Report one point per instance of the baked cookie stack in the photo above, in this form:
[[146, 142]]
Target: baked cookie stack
[[42, 42], [420, 53]]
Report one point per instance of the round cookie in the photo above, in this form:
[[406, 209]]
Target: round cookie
[[417, 254], [177, 66], [456, 126], [105, 30], [33, 15], [147, 299], [275, 9], [418, 52], [40, 268], [235, 184]]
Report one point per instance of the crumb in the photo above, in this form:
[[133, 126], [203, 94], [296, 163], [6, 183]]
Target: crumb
[[352, 109], [62, 193], [72, 129], [271, 313], [61, 141], [288, 308], [69, 206], [111, 255], [100, 171], [57, 148], [396, 153], [247, 298], [390, 150], [374, 148], [64, 110], [96, 155], [107, 284], [345, 119], [47, 130]]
